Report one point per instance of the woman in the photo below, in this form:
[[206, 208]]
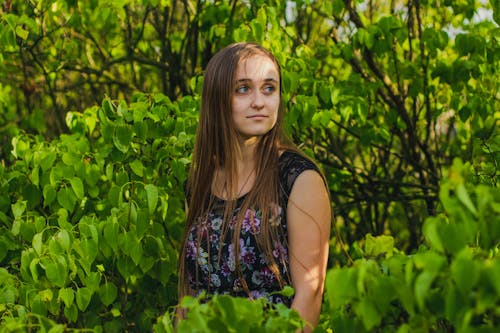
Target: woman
[[258, 211]]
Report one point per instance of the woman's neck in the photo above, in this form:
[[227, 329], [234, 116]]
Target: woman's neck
[[248, 149], [245, 169]]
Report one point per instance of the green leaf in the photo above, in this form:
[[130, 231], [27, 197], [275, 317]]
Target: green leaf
[[111, 231], [67, 295], [54, 247], [66, 199], [337, 7], [38, 243], [71, 313], [77, 186], [368, 313], [57, 328], [152, 195], [38, 306], [451, 303], [147, 263], [135, 250], [287, 291], [92, 281], [115, 312], [56, 270], [463, 196], [32, 195], [83, 297], [34, 268], [89, 230], [132, 213], [422, 286], [48, 160], [495, 4], [46, 295], [122, 137], [430, 230], [429, 261], [16, 227], [126, 267], [380, 245], [63, 238], [109, 171], [21, 32], [3, 252], [257, 30], [431, 264], [49, 194], [108, 108], [122, 178], [143, 222], [114, 194], [35, 176], [465, 271], [18, 209], [19, 147], [457, 236], [137, 167], [164, 206], [107, 293], [493, 275], [70, 159], [341, 286], [89, 250], [167, 270]]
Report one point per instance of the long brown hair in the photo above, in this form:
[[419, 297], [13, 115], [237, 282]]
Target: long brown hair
[[216, 147]]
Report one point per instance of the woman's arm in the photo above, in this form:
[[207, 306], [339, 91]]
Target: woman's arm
[[308, 220]]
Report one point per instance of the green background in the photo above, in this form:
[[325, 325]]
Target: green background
[[398, 101]]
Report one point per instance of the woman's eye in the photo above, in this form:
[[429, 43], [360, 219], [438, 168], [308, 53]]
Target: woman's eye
[[242, 89], [269, 89]]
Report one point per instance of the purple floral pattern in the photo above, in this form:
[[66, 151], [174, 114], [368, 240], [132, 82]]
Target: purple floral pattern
[[207, 270], [221, 274]]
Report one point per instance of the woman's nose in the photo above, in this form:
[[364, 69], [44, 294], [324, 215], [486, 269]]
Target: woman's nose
[[258, 100]]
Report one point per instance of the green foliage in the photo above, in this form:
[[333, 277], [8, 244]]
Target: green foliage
[[450, 284], [223, 313], [383, 96], [92, 219], [398, 102], [395, 99]]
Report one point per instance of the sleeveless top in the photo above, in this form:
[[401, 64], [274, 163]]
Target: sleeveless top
[[218, 275]]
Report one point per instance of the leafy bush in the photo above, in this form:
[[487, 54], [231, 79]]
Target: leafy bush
[[91, 220], [397, 101], [223, 313], [451, 284], [91, 223]]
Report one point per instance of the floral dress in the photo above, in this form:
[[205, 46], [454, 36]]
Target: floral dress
[[216, 274]]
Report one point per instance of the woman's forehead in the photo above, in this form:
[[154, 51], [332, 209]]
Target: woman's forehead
[[257, 67]]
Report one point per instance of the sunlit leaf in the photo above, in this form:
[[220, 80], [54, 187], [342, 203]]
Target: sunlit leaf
[[137, 167], [67, 295], [18, 209], [77, 186], [152, 195]]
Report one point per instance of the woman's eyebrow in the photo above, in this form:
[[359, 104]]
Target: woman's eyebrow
[[243, 80]]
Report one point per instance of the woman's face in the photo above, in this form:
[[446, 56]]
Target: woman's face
[[256, 96]]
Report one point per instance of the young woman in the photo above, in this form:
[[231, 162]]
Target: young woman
[[258, 210]]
